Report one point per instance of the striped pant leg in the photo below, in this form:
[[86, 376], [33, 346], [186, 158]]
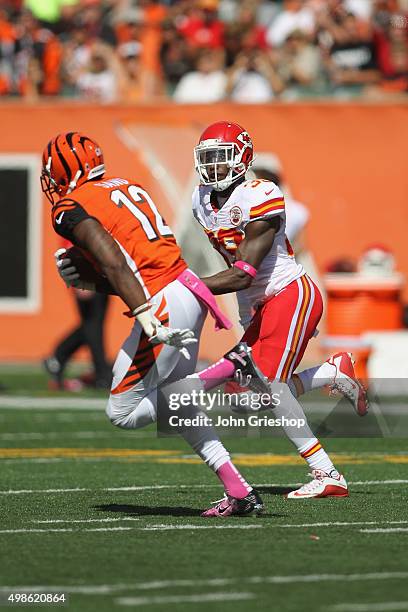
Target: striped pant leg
[[141, 367], [282, 328]]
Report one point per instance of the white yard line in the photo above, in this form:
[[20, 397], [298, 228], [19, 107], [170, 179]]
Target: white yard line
[[181, 486], [35, 435], [93, 520], [190, 527], [46, 402], [377, 482], [23, 402], [175, 599], [210, 526], [62, 529], [308, 578], [342, 524], [385, 530], [34, 491], [104, 589], [242, 526], [99, 589], [160, 527], [386, 606]]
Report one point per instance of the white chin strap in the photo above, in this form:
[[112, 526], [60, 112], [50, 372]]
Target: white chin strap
[[95, 172], [73, 183]]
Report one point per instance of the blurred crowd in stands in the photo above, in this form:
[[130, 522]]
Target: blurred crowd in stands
[[202, 51]]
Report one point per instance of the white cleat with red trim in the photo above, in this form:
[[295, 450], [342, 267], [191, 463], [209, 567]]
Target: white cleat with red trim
[[347, 383], [322, 485]]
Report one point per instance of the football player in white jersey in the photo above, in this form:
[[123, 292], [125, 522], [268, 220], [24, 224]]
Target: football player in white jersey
[[280, 306]]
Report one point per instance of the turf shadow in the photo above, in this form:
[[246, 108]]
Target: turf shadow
[[133, 509], [276, 490]]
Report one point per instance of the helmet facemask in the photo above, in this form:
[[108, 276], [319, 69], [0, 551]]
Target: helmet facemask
[[219, 164], [49, 186]]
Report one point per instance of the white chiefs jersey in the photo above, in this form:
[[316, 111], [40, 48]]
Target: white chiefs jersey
[[250, 201]]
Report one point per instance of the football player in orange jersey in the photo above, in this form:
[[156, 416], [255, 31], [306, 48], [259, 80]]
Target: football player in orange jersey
[[114, 221], [280, 306]]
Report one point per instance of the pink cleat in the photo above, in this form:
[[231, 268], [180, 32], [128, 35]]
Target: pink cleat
[[231, 506], [346, 382]]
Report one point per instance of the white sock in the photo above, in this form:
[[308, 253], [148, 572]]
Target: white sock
[[301, 436], [207, 445], [317, 377], [316, 456]]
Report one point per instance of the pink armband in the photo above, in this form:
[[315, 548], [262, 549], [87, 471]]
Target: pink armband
[[246, 267]]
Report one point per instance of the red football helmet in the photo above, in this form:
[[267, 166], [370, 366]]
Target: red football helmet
[[68, 161], [223, 155]]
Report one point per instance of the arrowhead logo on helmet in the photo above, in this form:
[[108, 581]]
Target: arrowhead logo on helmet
[[223, 154]]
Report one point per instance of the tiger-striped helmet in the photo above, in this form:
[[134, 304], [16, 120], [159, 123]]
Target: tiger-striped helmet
[[68, 161]]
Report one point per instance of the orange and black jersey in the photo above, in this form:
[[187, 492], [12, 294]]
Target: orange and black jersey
[[129, 215]]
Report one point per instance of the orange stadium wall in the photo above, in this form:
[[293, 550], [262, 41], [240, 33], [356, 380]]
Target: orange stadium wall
[[348, 163]]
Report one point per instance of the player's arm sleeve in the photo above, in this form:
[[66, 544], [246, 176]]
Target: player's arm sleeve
[[267, 202], [195, 201], [66, 216]]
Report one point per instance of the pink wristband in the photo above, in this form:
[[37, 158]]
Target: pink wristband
[[246, 267]]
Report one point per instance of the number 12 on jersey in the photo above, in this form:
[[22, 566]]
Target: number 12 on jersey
[[136, 198]]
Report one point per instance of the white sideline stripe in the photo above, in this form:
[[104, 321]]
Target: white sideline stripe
[[385, 606], [56, 434], [92, 520], [28, 402], [23, 402], [212, 526], [183, 486], [62, 529], [172, 599], [29, 491], [32, 460], [385, 530], [341, 524], [374, 482], [151, 528], [103, 589], [312, 578]]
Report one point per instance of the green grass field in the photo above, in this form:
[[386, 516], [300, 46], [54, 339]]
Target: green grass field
[[112, 518]]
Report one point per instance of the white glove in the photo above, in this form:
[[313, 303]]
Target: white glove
[[159, 334], [69, 273]]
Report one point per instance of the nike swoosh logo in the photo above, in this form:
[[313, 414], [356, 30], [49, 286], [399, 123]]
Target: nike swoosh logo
[[269, 192], [59, 219]]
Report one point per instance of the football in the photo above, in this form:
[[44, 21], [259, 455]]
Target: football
[[87, 268]]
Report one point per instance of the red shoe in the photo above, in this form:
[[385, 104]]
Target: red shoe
[[322, 485], [347, 383]]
